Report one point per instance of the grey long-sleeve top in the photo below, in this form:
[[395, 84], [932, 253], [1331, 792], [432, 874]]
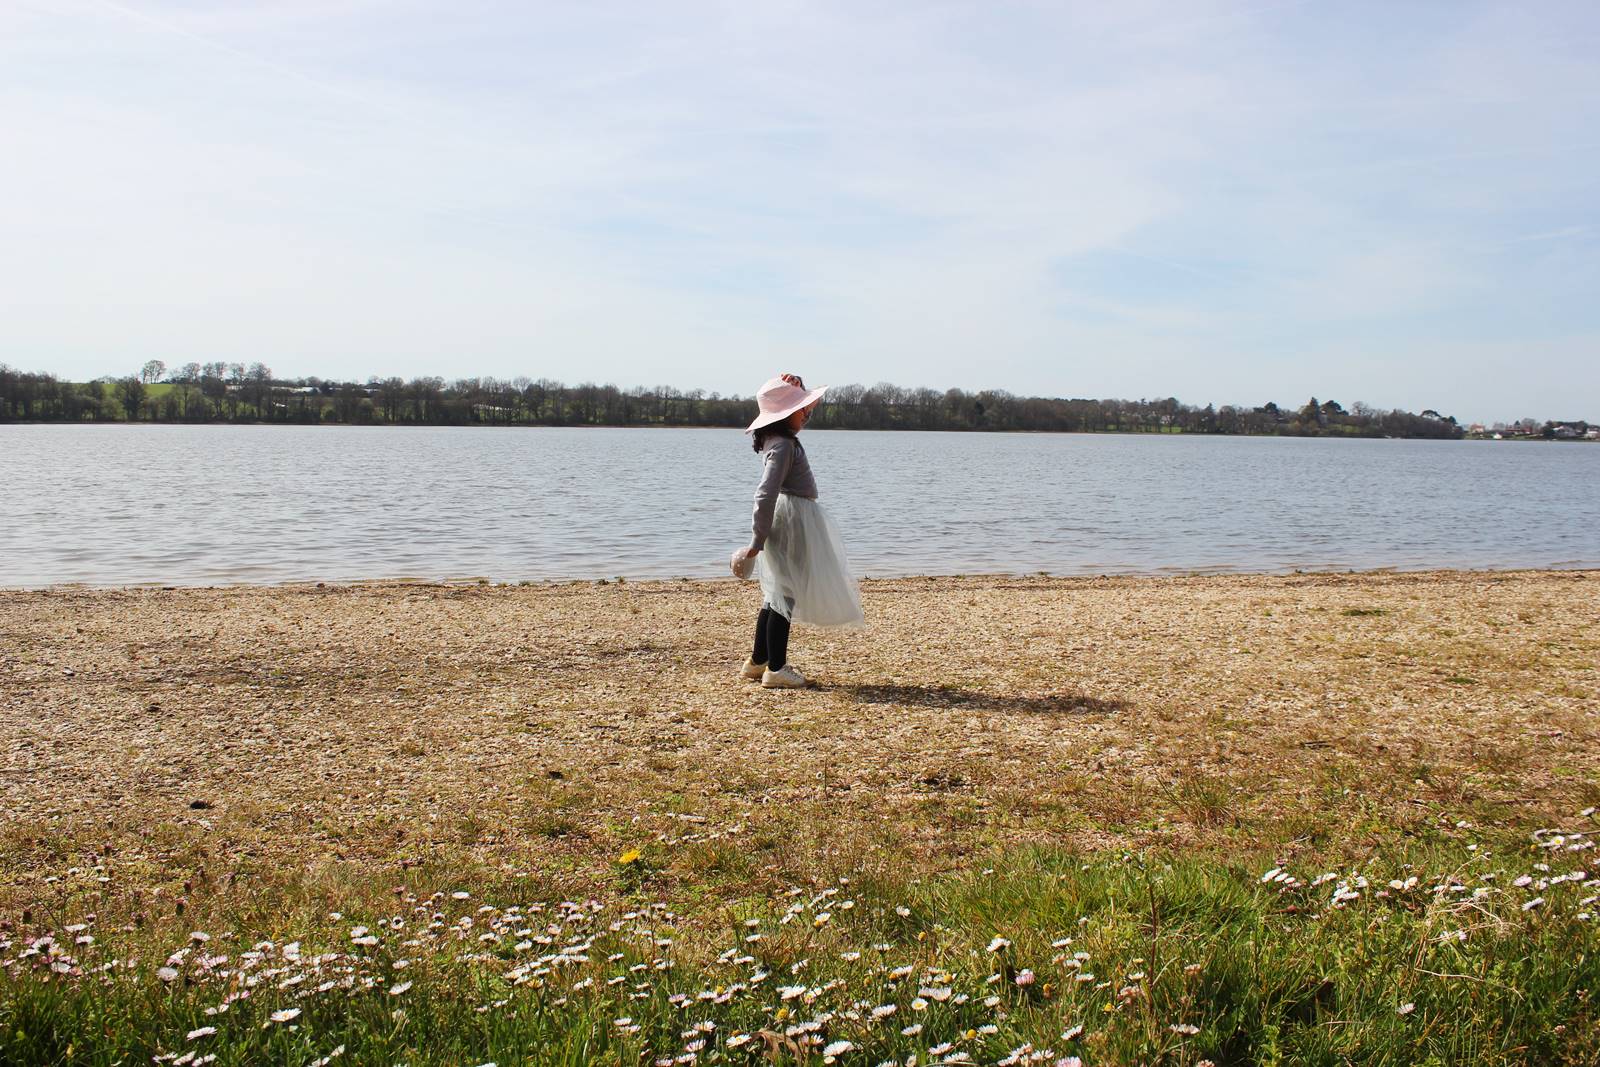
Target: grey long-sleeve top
[[785, 470]]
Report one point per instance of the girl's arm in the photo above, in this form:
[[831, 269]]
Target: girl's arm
[[779, 458]]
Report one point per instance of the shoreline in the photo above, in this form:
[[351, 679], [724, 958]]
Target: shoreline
[[467, 581], [817, 429], [1487, 438]]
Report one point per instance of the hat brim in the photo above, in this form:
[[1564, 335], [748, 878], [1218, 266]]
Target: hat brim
[[765, 419]]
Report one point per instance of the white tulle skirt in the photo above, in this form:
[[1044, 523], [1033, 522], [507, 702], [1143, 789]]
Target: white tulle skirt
[[805, 575]]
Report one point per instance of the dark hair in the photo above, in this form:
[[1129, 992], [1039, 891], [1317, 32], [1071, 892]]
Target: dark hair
[[765, 433]]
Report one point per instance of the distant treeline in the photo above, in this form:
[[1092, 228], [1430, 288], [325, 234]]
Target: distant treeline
[[232, 392]]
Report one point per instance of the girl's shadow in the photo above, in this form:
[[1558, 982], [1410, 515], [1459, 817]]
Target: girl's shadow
[[936, 696]]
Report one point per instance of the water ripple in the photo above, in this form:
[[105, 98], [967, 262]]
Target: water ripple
[[109, 505]]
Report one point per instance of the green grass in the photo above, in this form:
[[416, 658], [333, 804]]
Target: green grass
[[1307, 966], [151, 391]]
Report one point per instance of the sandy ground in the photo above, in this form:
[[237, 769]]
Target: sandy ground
[[546, 727]]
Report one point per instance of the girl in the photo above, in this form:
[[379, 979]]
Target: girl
[[804, 574]]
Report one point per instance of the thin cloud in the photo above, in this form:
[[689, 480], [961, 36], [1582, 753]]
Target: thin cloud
[[1549, 235], [145, 18]]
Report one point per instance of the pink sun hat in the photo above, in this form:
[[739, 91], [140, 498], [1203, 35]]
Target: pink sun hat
[[778, 400]]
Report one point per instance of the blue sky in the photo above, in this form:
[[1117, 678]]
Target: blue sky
[[1222, 201]]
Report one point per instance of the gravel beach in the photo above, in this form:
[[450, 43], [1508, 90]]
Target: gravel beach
[[212, 732]]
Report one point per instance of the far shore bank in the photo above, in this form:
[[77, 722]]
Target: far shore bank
[[1526, 438]]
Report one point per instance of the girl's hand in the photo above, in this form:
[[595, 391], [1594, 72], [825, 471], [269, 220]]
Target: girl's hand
[[738, 558], [794, 380]]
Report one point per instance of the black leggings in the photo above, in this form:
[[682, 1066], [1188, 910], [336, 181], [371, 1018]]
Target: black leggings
[[772, 639]]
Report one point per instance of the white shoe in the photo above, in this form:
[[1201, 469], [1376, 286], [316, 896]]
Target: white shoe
[[785, 677], [753, 670]]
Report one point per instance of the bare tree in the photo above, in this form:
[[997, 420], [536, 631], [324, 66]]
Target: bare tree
[[259, 377]]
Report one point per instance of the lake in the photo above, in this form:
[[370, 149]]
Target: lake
[[186, 505]]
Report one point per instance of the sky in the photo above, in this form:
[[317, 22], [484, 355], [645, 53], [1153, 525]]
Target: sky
[[1227, 201]]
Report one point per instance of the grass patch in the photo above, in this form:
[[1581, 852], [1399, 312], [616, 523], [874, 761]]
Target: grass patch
[[1363, 612], [1421, 952]]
